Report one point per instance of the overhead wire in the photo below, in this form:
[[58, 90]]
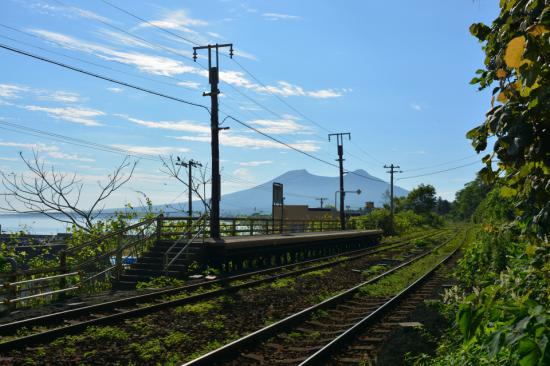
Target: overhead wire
[[438, 172], [262, 106], [82, 71], [87, 61], [44, 59], [441, 164]]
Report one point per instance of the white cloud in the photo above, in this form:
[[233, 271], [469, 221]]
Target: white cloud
[[157, 65], [284, 88], [177, 20], [246, 142], [325, 93], [279, 16], [60, 96], [63, 156], [7, 159], [51, 151], [280, 126], [67, 11], [165, 66], [11, 91], [123, 39], [150, 150], [189, 84], [214, 35], [255, 163], [83, 116], [186, 126], [416, 107], [115, 90], [243, 173], [243, 54]]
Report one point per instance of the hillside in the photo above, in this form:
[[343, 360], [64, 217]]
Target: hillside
[[302, 187]]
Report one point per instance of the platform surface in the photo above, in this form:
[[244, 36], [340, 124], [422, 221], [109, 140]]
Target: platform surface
[[235, 242]]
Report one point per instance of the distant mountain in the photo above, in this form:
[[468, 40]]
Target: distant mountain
[[302, 187]]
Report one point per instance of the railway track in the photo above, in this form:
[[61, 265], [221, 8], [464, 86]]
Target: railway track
[[78, 319], [345, 329]]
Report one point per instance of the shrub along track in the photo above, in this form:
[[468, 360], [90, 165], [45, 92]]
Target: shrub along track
[[312, 336], [201, 324]]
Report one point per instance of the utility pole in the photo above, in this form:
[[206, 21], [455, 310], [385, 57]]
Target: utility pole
[[189, 165], [392, 170], [340, 144], [322, 199], [213, 79]]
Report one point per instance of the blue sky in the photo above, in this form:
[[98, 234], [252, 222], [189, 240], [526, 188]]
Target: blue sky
[[394, 74]]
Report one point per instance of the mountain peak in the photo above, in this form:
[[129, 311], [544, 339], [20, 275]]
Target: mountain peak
[[295, 173], [361, 171]]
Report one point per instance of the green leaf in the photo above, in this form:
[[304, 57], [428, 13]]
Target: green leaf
[[464, 320], [480, 31]]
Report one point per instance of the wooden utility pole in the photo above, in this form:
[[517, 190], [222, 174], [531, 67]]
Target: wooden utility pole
[[213, 79], [392, 170], [340, 160]]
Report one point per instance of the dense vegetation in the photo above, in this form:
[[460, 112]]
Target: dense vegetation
[[500, 307], [419, 209]]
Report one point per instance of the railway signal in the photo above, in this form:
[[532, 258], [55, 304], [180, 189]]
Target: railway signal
[[340, 160]]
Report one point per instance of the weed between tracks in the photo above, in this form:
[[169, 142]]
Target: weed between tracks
[[400, 279]]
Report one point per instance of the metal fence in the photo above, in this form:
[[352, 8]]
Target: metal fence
[[92, 265]]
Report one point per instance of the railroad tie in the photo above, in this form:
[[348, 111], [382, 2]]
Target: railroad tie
[[371, 339], [355, 361], [304, 349], [275, 346], [290, 361], [323, 332], [325, 325], [253, 357]]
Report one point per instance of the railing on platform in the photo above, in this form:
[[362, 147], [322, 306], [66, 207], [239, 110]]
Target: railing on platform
[[94, 263], [80, 267], [176, 226], [200, 229]]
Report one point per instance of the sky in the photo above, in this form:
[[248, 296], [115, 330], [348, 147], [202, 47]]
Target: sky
[[393, 74]]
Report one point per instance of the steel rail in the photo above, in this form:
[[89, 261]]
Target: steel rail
[[327, 351], [233, 349], [112, 318]]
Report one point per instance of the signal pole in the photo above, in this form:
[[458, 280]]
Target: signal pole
[[392, 171], [213, 79], [322, 199], [340, 144]]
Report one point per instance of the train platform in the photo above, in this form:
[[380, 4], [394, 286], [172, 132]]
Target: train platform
[[283, 248]]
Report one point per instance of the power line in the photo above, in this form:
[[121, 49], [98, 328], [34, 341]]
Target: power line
[[148, 22], [82, 71], [128, 33], [86, 61], [281, 142], [171, 51], [28, 131], [73, 141], [44, 59], [441, 164], [129, 13], [439, 171]]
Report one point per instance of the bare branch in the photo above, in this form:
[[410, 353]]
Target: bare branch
[[55, 194]]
